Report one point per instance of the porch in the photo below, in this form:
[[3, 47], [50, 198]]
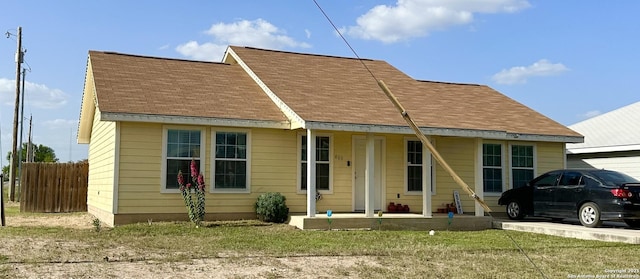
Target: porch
[[392, 221]]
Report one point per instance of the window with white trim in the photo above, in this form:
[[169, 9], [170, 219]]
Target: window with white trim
[[492, 167], [231, 160], [323, 163], [522, 167], [414, 166], [181, 146]]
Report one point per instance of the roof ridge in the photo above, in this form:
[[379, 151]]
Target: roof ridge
[[447, 82], [156, 57], [308, 54], [623, 110]]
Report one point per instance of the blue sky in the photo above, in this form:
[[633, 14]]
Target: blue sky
[[569, 60]]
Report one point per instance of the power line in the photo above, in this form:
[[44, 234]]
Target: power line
[[374, 77]]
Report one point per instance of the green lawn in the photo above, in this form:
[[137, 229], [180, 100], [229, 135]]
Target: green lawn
[[400, 254]]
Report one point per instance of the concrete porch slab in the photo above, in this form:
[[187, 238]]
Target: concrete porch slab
[[571, 230], [391, 221]]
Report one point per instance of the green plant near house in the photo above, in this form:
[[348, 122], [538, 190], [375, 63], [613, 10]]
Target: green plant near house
[[272, 207], [191, 189], [97, 224]]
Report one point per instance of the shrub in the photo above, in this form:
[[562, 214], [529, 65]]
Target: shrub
[[271, 207]]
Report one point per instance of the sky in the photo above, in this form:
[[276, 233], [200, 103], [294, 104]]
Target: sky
[[569, 60]]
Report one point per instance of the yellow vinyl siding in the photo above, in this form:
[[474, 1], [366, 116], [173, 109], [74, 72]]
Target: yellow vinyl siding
[[460, 154], [140, 174], [101, 169], [273, 169], [550, 156], [341, 198], [274, 163], [395, 170]]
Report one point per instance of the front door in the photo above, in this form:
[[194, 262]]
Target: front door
[[359, 169]]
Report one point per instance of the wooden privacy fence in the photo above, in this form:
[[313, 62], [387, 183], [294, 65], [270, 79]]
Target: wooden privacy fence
[[54, 187]]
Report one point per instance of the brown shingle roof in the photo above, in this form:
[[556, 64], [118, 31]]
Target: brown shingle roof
[[341, 90], [159, 86]]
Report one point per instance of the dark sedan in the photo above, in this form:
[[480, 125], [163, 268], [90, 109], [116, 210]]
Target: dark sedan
[[591, 195]]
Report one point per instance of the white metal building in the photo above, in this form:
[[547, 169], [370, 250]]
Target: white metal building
[[611, 141]]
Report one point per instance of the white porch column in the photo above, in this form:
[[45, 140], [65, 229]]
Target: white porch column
[[426, 182], [311, 173], [479, 189], [369, 180]]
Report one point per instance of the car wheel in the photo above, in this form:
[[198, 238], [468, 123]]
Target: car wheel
[[514, 210], [589, 215], [634, 223]]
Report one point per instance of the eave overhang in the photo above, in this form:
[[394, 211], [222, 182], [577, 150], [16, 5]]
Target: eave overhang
[[450, 132], [191, 120]]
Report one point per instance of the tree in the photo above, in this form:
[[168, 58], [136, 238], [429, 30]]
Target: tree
[[41, 153]]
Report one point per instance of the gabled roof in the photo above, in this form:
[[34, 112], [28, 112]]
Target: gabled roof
[[277, 89], [132, 87], [339, 90], [617, 130]]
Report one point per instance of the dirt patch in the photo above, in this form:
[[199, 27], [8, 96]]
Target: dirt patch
[[251, 267], [22, 259], [66, 220]]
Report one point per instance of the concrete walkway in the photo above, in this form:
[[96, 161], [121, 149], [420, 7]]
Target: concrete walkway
[[610, 231]]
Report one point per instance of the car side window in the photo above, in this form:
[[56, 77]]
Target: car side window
[[546, 180], [572, 178]]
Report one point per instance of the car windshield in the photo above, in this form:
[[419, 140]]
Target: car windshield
[[612, 178]]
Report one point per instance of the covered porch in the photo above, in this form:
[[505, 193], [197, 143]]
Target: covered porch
[[392, 221]]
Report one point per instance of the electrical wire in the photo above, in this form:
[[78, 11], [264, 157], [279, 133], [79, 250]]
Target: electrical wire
[[374, 77]]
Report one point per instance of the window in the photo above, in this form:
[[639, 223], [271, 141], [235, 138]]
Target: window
[[521, 165], [181, 146], [572, 178], [492, 167], [546, 180], [323, 163], [414, 166], [231, 160]]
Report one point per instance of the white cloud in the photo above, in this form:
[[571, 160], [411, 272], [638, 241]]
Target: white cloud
[[36, 95], [520, 74], [417, 18], [590, 114], [205, 52], [256, 33]]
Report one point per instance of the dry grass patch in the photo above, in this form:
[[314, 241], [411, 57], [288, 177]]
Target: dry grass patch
[[251, 249]]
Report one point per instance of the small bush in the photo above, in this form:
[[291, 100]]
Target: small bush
[[97, 224], [271, 207]]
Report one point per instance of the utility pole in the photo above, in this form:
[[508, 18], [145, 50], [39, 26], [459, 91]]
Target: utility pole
[[12, 167], [2, 201], [24, 78], [29, 145]]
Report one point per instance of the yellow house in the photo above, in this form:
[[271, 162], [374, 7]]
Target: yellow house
[[299, 124]]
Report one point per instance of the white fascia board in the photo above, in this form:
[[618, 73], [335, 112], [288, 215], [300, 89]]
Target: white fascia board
[[602, 149], [190, 120], [452, 132], [296, 120]]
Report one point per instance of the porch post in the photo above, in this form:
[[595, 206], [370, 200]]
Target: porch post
[[311, 173], [426, 183], [479, 189], [369, 182]]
